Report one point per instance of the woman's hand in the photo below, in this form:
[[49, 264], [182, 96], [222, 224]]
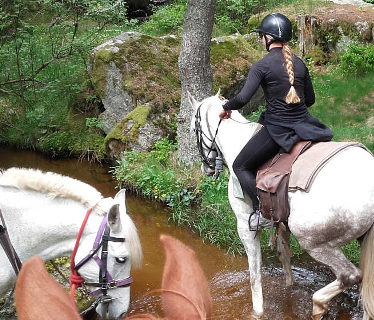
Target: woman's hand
[[225, 114]]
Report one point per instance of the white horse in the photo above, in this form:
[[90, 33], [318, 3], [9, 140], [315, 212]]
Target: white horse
[[338, 209], [43, 213]]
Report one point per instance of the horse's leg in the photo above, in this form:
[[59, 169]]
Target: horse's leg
[[252, 247], [284, 253], [347, 274]]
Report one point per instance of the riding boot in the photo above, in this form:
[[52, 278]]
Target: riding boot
[[256, 221]]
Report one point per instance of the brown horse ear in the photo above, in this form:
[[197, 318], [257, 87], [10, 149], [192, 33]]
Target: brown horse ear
[[39, 297], [186, 293]]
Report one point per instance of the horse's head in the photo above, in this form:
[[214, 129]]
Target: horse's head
[[104, 259], [205, 122]]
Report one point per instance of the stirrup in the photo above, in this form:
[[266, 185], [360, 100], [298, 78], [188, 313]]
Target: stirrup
[[256, 221]]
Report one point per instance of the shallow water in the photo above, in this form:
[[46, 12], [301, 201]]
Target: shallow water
[[227, 274]]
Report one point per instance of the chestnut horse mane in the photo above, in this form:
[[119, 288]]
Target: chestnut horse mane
[[53, 184]]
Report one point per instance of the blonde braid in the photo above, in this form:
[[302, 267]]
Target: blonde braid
[[292, 96]]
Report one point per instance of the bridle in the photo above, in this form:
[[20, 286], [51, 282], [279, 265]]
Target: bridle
[[217, 163], [106, 282]]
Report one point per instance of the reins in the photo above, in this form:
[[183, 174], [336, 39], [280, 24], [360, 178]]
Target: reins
[[8, 247], [75, 279]]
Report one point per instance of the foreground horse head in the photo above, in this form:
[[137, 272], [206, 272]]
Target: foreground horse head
[[45, 211], [337, 209], [185, 289]]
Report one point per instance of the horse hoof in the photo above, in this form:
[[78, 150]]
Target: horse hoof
[[318, 316], [256, 316]]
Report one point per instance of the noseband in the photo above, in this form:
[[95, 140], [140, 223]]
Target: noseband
[[106, 282], [214, 164]]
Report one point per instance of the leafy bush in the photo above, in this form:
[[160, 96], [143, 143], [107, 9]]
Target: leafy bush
[[358, 60], [162, 149], [167, 20]]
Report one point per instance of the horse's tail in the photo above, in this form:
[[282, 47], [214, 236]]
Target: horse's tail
[[366, 264]]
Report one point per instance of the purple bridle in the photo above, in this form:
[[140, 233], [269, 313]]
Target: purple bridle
[[106, 281]]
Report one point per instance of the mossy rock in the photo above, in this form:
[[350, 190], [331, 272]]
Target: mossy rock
[[149, 68], [231, 58], [130, 131]]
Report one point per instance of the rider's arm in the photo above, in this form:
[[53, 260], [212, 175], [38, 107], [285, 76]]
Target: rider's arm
[[252, 83]]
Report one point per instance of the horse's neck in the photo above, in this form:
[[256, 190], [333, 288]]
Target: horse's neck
[[232, 137], [42, 226]]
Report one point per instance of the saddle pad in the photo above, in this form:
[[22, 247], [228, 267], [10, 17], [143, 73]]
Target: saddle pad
[[309, 163]]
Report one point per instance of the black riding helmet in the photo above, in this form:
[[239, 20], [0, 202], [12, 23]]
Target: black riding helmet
[[278, 26]]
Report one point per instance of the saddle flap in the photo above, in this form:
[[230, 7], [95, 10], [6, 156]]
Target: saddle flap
[[273, 171], [272, 183]]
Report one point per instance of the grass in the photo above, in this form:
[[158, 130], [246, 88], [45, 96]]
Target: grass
[[346, 105]]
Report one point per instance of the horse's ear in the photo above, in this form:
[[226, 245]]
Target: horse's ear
[[40, 297], [192, 101], [114, 218], [183, 275], [218, 93], [121, 195]]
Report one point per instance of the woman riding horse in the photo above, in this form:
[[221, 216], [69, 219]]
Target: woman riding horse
[[288, 93]]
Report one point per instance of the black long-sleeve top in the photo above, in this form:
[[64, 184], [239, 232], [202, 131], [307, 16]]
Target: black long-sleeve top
[[286, 123]]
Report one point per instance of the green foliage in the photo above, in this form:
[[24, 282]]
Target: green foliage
[[358, 60], [93, 123], [166, 20], [317, 55], [200, 204], [46, 43], [233, 15], [162, 150], [73, 143]]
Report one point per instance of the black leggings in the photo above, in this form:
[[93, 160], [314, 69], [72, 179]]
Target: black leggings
[[260, 148]]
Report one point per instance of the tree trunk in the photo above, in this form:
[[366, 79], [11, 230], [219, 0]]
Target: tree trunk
[[195, 71]]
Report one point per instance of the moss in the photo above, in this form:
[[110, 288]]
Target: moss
[[98, 75], [73, 143], [127, 130], [149, 68], [231, 61], [255, 20]]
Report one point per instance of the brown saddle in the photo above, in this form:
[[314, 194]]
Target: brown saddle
[[272, 183]]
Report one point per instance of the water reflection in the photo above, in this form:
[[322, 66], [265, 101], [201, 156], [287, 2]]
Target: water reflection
[[227, 274]]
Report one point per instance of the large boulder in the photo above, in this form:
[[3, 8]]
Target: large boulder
[[136, 74]]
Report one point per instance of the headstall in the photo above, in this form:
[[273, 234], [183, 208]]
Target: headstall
[[106, 282], [214, 164]]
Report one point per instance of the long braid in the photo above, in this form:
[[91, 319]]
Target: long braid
[[292, 96]]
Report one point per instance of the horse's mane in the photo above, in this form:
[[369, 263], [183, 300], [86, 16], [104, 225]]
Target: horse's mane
[[53, 184]]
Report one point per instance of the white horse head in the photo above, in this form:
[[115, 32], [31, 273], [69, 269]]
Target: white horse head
[[49, 209], [124, 252], [201, 125]]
